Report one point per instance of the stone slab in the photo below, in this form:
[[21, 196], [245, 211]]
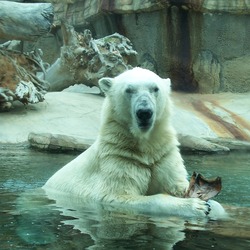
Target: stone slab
[[77, 115]]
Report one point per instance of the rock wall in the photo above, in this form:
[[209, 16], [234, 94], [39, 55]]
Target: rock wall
[[202, 45], [224, 37]]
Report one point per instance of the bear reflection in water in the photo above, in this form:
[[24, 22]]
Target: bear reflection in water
[[46, 222]]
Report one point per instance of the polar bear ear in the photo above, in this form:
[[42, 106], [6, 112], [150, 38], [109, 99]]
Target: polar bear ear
[[167, 82], [105, 84]]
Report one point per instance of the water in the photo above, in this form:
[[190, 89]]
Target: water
[[42, 224]]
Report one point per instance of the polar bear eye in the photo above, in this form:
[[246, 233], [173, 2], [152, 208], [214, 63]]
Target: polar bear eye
[[155, 89], [129, 90]]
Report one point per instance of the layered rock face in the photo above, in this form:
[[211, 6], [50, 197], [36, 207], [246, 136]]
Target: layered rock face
[[202, 45]]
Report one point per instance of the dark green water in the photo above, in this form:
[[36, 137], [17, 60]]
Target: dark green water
[[42, 225]]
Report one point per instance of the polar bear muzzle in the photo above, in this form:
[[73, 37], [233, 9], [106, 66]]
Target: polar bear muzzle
[[144, 118], [144, 113]]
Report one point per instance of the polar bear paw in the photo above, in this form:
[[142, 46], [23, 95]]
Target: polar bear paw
[[198, 207]]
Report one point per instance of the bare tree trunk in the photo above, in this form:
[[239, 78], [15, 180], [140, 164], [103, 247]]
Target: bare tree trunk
[[85, 60], [25, 21]]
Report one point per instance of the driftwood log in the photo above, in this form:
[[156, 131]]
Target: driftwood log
[[85, 60], [25, 21]]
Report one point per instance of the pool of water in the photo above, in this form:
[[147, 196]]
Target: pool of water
[[42, 224]]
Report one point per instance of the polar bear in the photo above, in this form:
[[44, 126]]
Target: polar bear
[[135, 161]]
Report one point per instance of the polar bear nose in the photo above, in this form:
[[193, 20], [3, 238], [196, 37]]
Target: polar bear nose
[[144, 114]]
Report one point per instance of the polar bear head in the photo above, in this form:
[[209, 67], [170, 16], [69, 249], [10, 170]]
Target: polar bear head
[[137, 98]]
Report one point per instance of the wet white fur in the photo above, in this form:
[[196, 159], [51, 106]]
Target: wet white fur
[[140, 170]]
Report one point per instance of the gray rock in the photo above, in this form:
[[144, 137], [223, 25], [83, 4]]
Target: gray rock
[[230, 143], [57, 142], [192, 143]]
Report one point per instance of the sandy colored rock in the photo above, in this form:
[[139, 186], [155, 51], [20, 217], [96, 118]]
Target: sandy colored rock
[[72, 114], [204, 122]]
